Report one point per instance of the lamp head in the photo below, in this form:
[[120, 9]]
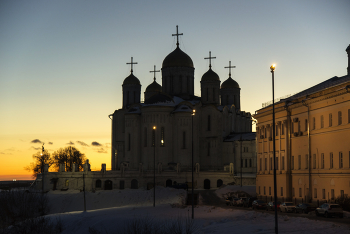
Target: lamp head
[[193, 112], [273, 66], [154, 127]]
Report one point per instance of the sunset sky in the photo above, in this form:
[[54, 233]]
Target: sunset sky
[[62, 63]]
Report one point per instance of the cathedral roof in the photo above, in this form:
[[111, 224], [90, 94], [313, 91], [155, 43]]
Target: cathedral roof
[[159, 99], [177, 58], [229, 83], [348, 48], [131, 79], [154, 87], [210, 75]]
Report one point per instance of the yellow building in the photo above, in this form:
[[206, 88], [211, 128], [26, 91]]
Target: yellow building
[[312, 141]]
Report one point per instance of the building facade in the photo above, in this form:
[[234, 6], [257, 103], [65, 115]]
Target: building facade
[[312, 143]]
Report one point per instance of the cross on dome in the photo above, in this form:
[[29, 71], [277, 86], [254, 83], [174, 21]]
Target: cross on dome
[[177, 35], [154, 71], [229, 67], [131, 64], [210, 59]]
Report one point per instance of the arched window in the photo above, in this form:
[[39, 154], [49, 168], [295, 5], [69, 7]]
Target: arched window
[[168, 183], [98, 184], [206, 184], [134, 184], [108, 185], [219, 183]]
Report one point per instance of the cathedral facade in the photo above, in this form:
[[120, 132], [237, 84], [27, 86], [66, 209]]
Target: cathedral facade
[[155, 139]]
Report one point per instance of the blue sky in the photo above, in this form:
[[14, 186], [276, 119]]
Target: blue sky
[[62, 63]]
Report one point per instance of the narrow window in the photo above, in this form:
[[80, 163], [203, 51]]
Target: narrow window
[[315, 193], [184, 140], [265, 164], [299, 162], [292, 128], [342, 193], [340, 159], [282, 163], [323, 194], [276, 163], [260, 166], [305, 124], [348, 115], [292, 163], [250, 162], [314, 123], [276, 130], [339, 118], [129, 142], [282, 129], [208, 148], [145, 137], [293, 192], [331, 160], [330, 120], [332, 194], [300, 192], [208, 122], [299, 126], [322, 123], [322, 161], [265, 132], [269, 190], [314, 161], [270, 163], [162, 137], [306, 161]]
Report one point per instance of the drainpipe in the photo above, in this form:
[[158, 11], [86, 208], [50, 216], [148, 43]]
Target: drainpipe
[[309, 148]]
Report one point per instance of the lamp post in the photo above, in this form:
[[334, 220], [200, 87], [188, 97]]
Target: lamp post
[[193, 113], [154, 165], [42, 167], [241, 159], [272, 68]]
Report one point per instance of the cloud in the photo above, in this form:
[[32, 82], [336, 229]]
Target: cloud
[[50, 143], [36, 141], [82, 143], [70, 143], [36, 148], [102, 150], [95, 143]]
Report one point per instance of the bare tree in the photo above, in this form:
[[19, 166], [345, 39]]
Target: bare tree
[[68, 156], [40, 159]]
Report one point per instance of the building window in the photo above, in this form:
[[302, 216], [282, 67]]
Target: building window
[[265, 164], [265, 134], [264, 190], [331, 160], [348, 115], [250, 162], [315, 193], [269, 190], [306, 161], [314, 161], [300, 192], [299, 162], [129, 142], [145, 138], [282, 129], [162, 136], [208, 122], [340, 159], [281, 191], [208, 148], [323, 194], [313, 123], [270, 163], [276, 163], [260, 166], [330, 120], [322, 121], [282, 163], [342, 193], [332, 194], [245, 162], [322, 161], [184, 140], [292, 128], [292, 163], [305, 124], [276, 130], [339, 118], [293, 192]]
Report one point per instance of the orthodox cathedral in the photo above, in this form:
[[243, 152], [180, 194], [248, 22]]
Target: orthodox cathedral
[[173, 131]]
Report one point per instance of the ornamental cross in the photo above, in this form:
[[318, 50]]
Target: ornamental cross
[[229, 67], [154, 71], [177, 35], [210, 58], [131, 64]]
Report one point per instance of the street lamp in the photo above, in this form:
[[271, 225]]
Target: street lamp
[[154, 166], [272, 68], [193, 113]]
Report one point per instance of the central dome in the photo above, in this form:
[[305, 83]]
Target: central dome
[[177, 58]]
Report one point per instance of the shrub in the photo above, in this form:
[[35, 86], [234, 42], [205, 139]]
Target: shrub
[[344, 202]]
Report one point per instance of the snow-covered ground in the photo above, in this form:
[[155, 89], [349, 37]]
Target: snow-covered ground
[[108, 211]]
